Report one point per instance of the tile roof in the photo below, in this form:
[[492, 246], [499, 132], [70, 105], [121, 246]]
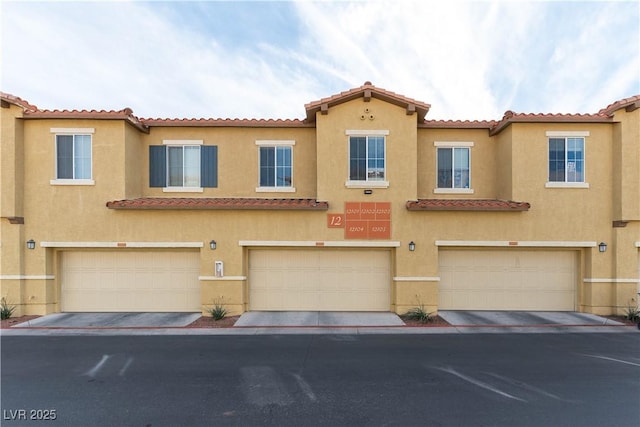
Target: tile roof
[[511, 117], [124, 114], [631, 103], [457, 124], [368, 90], [228, 122], [12, 99], [217, 203], [467, 205]]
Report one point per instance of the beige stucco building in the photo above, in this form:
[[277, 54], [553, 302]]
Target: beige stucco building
[[363, 205]]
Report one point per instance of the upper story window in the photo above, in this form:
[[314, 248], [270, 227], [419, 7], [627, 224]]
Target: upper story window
[[183, 166], [453, 167], [567, 159], [367, 159], [73, 156], [275, 164]]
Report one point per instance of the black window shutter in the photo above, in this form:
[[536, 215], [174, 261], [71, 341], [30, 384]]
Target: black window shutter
[[209, 165], [157, 166]]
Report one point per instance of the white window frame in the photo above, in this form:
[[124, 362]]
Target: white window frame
[[453, 144], [72, 132], [565, 135], [366, 183], [273, 143], [182, 143]]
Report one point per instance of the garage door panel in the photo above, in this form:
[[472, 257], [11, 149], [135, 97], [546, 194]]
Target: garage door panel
[[507, 280], [326, 280], [130, 281]]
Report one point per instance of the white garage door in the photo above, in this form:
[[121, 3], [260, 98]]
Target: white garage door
[[159, 281], [319, 280], [507, 280]]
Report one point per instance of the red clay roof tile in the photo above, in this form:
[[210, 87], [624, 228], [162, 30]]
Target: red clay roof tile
[[463, 124], [368, 89], [12, 99], [511, 117], [228, 122], [603, 116], [124, 114], [217, 203], [633, 102], [467, 205]]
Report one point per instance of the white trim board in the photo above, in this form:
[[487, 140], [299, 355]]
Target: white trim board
[[370, 132], [276, 142], [26, 277], [182, 142], [603, 280], [72, 182], [567, 133], [72, 130], [122, 244], [216, 278], [453, 144], [321, 244], [516, 243], [416, 279]]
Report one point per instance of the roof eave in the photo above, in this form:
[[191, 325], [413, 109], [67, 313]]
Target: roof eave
[[367, 92], [504, 123], [89, 115], [224, 204], [236, 123], [464, 205]]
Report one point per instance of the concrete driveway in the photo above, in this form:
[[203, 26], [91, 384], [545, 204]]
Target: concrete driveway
[[317, 318], [111, 320], [523, 318]]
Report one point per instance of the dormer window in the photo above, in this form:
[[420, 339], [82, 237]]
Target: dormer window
[[367, 159]]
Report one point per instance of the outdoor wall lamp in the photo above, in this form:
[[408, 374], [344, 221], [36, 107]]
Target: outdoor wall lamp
[[213, 245], [412, 246], [31, 244], [602, 247]]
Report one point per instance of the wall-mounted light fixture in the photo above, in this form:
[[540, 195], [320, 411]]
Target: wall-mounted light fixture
[[602, 247], [213, 245], [412, 246], [31, 244], [368, 191]]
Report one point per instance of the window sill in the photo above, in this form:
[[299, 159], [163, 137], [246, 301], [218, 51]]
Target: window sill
[[367, 184], [182, 190], [567, 185], [72, 182], [453, 191], [275, 189]]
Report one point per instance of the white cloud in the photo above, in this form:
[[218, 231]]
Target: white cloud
[[469, 60]]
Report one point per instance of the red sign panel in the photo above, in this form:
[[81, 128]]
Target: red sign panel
[[367, 220], [335, 220]]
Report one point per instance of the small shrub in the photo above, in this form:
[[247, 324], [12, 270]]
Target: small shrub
[[6, 310], [218, 311], [632, 314], [419, 313]]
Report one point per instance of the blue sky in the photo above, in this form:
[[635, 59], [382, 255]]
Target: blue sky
[[266, 59]]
